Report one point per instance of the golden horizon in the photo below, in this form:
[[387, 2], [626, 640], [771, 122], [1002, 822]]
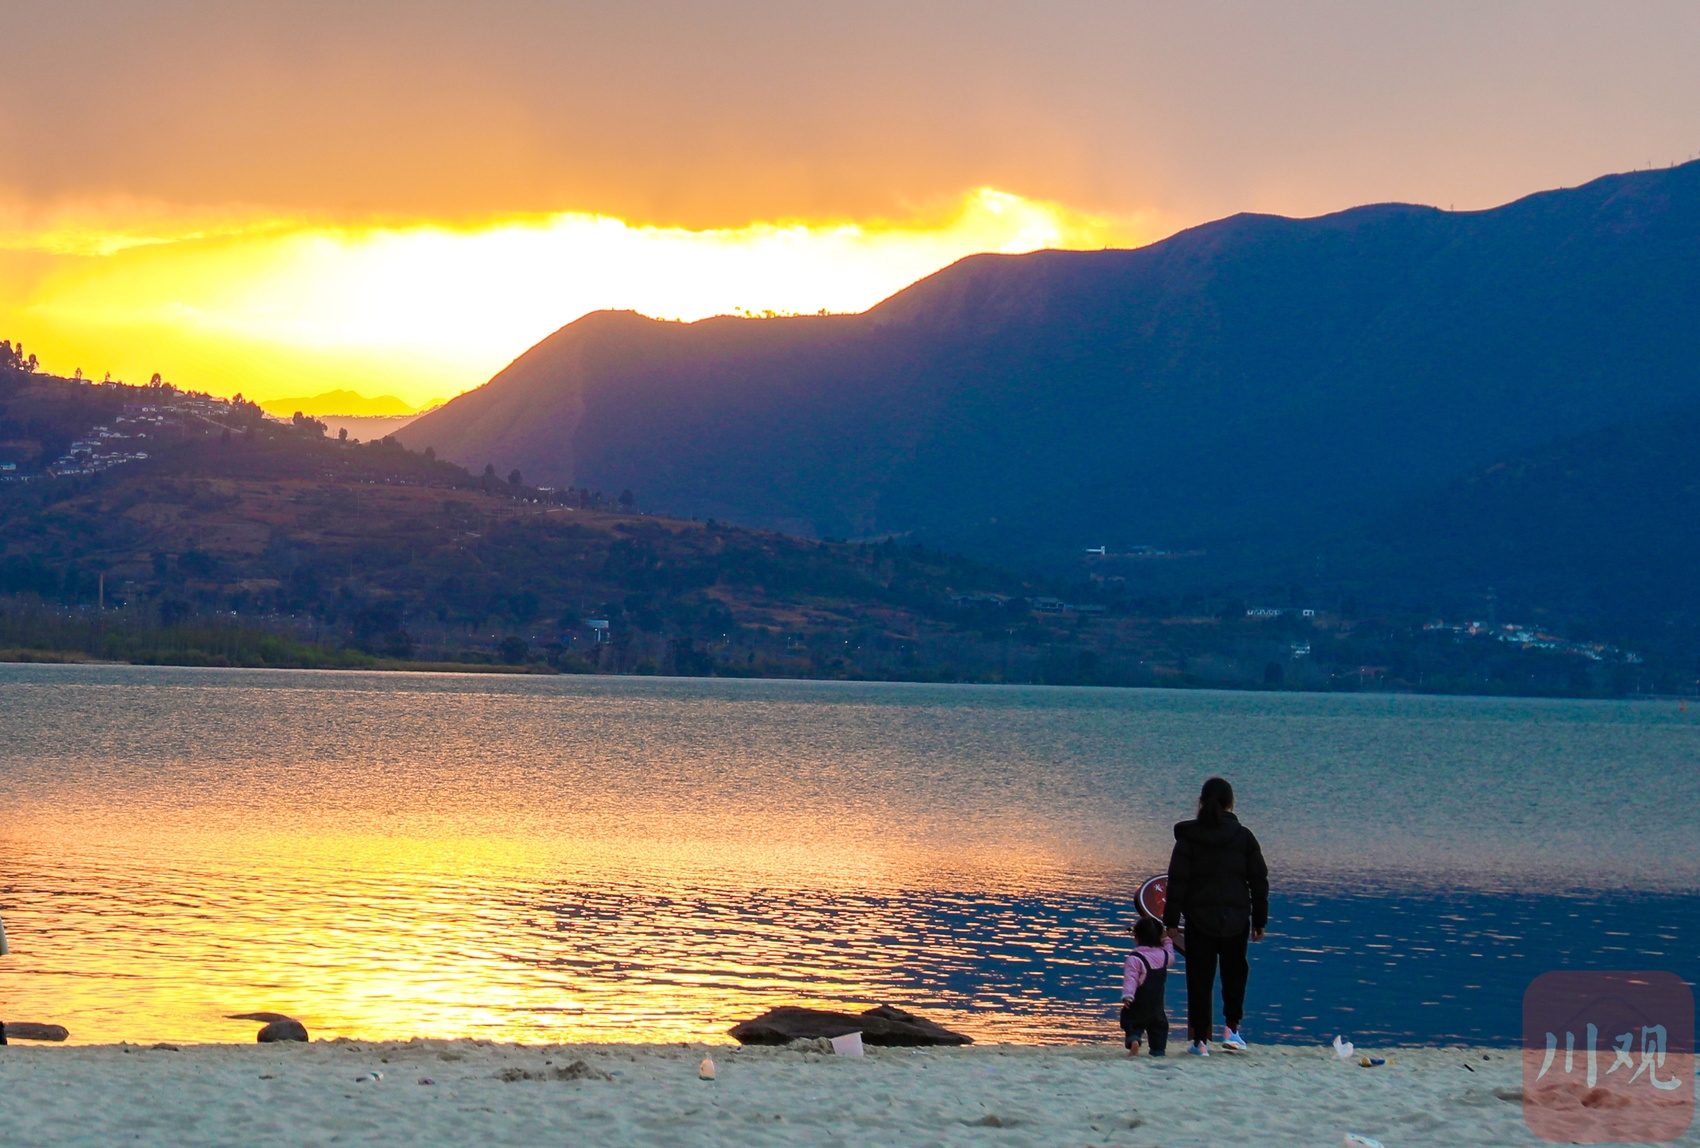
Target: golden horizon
[[277, 309]]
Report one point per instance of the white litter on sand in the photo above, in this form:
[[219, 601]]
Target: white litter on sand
[[850, 1044]]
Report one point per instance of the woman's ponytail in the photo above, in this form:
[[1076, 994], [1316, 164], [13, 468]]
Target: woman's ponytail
[[1215, 799]]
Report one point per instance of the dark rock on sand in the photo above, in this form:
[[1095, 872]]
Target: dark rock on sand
[[278, 1028], [281, 1030], [882, 1025], [25, 1030]]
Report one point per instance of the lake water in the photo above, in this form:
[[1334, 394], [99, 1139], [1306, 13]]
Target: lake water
[[391, 855]]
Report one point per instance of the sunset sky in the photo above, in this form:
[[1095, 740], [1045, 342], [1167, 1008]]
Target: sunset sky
[[285, 198]]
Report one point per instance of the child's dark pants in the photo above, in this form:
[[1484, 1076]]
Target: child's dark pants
[[1154, 1026]]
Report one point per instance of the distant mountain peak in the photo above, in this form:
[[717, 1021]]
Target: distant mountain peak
[[339, 402], [1256, 377]]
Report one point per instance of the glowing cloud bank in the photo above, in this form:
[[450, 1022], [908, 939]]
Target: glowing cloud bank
[[426, 310]]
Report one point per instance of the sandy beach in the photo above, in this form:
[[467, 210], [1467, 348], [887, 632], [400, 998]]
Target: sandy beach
[[617, 1095]]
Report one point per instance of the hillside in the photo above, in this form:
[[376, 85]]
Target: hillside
[[181, 507], [1252, 379], [182, 528], [1601, 529]]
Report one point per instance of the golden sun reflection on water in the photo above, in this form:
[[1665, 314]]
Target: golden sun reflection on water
[[391, 937]]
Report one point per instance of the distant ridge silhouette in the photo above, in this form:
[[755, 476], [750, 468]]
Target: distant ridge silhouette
[[1253, 386]]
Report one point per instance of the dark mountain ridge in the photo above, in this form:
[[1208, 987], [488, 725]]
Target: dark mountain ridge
[[1254, 378]]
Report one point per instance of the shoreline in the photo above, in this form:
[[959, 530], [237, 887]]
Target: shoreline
[[622, 1095], [34, 657]]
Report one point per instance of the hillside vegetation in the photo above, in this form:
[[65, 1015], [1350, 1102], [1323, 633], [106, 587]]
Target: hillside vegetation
[[182, 529]]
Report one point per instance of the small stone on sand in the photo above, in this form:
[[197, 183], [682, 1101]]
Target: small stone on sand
[[279, 1031]]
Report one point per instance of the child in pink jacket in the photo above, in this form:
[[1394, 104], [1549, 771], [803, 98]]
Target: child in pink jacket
[[1143, 985]]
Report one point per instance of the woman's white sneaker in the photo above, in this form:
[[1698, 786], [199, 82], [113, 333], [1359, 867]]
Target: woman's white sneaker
[[1199, 1048], [1233, 1041]]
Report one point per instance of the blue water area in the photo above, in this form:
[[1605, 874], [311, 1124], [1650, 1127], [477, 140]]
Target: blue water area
[[1437, 969], [1377, 967]]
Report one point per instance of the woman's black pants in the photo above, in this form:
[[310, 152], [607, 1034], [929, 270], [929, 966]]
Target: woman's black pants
[[1203, 954]]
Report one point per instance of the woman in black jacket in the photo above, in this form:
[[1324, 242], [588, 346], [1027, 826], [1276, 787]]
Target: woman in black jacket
[[1219, 885]]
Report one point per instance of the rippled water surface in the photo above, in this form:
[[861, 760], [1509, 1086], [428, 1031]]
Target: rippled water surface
[[573, 858]]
